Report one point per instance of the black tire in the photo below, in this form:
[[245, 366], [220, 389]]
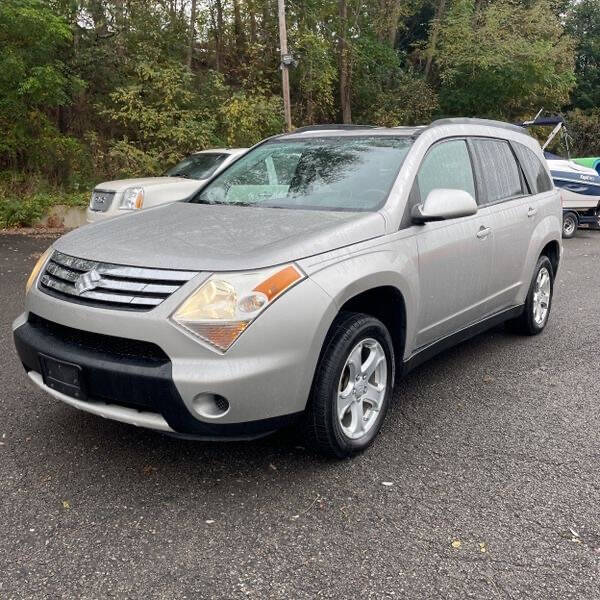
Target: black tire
[[570, 225], [322, 427], [526, 324]]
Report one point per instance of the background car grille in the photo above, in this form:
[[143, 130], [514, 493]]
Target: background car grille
[[108, 285], [101, 200]]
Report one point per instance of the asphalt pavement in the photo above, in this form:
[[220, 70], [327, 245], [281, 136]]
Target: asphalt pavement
[[484, 482]]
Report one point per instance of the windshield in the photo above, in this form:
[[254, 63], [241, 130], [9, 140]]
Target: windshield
[[342, 173], [197, 166]]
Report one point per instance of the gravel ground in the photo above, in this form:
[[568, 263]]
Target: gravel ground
[[483, 484]]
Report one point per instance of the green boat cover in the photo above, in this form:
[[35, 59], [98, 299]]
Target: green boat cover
[[592, 163]]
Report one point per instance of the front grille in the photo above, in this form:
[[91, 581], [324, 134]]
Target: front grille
[[109, 285], [101, 200]]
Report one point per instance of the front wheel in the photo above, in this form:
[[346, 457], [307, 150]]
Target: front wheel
[[539, 301], [352, 386], [570, 224]]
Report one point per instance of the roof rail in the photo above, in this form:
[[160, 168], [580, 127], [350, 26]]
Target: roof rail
[[331, 127], [475, 121]]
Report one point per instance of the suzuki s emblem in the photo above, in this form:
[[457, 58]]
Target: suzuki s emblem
[[87, 281]]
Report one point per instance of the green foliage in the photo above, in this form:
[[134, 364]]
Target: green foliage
[[25, 198], [584, 128], [161, 117], [33, 79], [583, 24], [93, 90], [386, 92], [314, 79], [249, 118], [503, 60]]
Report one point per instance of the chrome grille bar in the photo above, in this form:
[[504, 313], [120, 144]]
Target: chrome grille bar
[[101, 200], [109, 285], [81, 265]]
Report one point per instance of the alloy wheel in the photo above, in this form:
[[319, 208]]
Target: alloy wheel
[[541, 296], [361, 389]]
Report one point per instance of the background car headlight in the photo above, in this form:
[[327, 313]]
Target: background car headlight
[[37, 268], [132, 198], [225, 304]]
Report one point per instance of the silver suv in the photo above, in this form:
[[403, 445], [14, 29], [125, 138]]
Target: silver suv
[[299, 283]]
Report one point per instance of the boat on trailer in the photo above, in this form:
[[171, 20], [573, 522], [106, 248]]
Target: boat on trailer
[[580, 186]]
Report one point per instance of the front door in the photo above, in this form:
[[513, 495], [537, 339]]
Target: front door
[[455, 256]]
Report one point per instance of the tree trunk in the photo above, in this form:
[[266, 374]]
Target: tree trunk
[[395, 9], [439, 13], [344, 64], [252, 18], [238, 30], [192, 38], [217, 26]]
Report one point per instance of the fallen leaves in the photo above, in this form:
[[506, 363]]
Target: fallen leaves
[[66, 504], [458, 544]]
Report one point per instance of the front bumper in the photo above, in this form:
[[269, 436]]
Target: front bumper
[[139, 368], [96, 216], [124, 380]]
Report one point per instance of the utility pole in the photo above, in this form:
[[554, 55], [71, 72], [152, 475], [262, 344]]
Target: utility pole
[[285, 65]]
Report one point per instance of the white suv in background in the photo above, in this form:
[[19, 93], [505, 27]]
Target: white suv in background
[[113, 198]]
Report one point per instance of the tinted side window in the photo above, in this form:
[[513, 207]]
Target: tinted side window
[[447, 165], [537, 177], [498, 176]]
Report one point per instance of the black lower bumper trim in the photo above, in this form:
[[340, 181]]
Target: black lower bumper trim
[[128, 373]]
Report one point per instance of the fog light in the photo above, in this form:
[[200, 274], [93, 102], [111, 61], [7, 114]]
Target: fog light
[[210, 406]]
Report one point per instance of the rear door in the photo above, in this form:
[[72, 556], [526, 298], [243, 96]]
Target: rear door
[[455, 256], [505, 202]]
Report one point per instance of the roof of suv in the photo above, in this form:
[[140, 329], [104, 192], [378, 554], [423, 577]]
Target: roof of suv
[[221, 151], [369, 130]]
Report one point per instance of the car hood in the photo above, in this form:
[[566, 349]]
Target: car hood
[[120, 184], [218, 238]]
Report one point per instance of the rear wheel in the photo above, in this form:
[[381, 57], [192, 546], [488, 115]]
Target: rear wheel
[[539, 301], [352, 387], [570, 224]]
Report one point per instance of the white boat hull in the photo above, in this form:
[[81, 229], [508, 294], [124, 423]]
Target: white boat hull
[[579, 185]]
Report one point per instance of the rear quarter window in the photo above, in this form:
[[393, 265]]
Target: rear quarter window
[[498, 176], [537, 177]]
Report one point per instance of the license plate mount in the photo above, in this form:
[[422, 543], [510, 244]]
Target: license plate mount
[[63, 376]]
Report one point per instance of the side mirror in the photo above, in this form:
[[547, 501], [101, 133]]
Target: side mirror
[[442, 204]]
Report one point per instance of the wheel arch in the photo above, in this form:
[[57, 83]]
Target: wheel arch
[[387, 304], [552, 251]]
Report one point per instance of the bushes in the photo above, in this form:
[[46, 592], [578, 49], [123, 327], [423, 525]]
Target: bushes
[[248, 118], [584, 128], [24, 198]]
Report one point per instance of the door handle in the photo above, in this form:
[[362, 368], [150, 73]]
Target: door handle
[[531, 212], [484, 232]]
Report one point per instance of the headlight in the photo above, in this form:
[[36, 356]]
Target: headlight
[[132, 198], [36, 269], [225, 304]]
